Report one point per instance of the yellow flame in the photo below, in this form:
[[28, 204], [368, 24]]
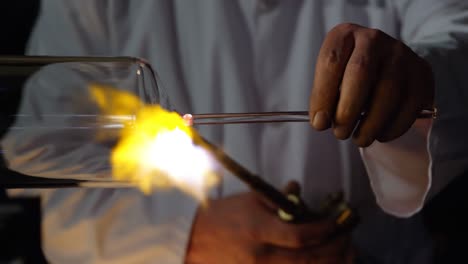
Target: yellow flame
[[112, 101], [156, 150]]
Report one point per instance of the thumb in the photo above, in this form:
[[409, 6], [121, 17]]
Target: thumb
[[293, 193], [293, 187]]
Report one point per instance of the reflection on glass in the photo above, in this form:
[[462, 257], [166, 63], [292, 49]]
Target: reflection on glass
[[50, 121]]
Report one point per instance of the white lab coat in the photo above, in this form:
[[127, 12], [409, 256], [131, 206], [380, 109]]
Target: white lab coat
[[245, 55]]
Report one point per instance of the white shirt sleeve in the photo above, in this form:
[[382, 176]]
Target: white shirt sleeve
[[406, 172], [91, 225]]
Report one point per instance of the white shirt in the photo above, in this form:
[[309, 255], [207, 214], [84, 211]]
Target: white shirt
[[244, 55]]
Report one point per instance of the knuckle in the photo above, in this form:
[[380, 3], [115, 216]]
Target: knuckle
[[337, 46], [332, 58], [345, 27], [374, 35], [359, 63]]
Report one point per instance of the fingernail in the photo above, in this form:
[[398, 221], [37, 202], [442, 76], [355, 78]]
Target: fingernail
[[321, 120]]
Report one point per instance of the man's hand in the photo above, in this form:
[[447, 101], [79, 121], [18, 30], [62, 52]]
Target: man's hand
[[243, 229], [363, 70]]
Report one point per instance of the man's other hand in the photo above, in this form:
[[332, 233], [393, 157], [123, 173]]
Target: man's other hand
[[363, 70], [244, 229]]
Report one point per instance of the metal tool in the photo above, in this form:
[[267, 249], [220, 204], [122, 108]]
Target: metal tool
[[290, 207]]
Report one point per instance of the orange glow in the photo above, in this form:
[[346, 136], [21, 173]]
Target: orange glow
[[156, 149]]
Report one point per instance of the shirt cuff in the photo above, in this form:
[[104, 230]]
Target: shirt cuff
[[400, 171]]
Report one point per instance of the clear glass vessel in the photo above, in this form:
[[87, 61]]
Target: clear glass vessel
[[50, 125]]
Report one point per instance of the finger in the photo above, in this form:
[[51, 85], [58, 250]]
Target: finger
[[410, 108], [293, 187], [401, 123], [274, 255], [330, 253], [282, 257], [279, 233], [358, 78], [331, 64], [384, 102], [336, 247]]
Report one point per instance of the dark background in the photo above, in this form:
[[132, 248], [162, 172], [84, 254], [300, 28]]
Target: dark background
[[16, 21], [19, 218]]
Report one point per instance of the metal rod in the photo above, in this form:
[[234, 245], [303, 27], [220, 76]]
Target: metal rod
[[256, 183]]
